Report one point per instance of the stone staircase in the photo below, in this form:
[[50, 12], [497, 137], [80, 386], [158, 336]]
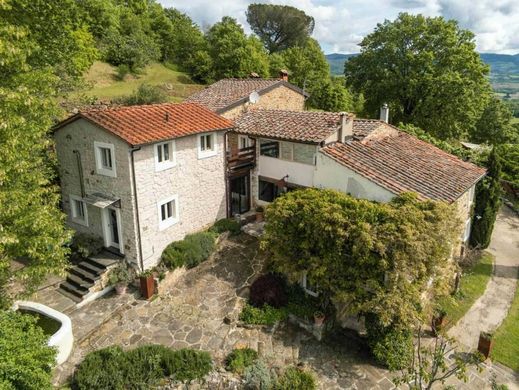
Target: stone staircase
[[89, 276]]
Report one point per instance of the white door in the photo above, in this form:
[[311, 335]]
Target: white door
[[112, 228]]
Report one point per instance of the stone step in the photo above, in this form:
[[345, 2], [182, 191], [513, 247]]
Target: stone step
[[79, 281], [69, 295], [93, 269], [80, 293], [84, 274], [104, 259]]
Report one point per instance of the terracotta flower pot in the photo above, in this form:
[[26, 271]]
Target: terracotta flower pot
[[485, 344], [147, 286], [120, 289], [319, 319]]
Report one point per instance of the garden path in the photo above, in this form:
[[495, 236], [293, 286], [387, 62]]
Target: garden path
[[492, 307]]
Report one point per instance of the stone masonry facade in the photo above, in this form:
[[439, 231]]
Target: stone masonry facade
[[198, 183], [80, 135]]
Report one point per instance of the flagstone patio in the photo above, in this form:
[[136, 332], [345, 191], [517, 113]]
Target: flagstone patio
[[200, 312]]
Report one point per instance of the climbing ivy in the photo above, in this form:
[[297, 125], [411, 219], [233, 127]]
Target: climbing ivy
[[374, 257]]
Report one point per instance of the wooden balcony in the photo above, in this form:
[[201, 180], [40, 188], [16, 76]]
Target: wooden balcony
[[244, 158]]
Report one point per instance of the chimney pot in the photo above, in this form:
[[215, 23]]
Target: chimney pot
[[384, 113], [283, 74]]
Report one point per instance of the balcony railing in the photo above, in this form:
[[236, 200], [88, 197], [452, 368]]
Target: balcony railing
[[241, 158]]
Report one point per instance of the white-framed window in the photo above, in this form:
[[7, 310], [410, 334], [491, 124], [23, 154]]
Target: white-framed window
[[105, 159], [78, 210], [244, 142], [207, 145], [309, 288], [165, 155], [168, 212], [466, 232]]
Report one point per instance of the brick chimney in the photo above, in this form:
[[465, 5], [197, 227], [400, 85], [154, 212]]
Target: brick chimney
[[283, 74]]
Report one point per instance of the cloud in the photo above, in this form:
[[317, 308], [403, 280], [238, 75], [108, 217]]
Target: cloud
[[340, 25]]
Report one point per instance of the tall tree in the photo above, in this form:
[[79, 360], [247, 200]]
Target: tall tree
[[427, 70], [31, 224], [495, 125], [231, 51], [307, 66], [279, 27], [488, 201]]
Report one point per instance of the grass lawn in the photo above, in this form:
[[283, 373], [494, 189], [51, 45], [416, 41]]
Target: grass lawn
[[515, 120], [473, 284], [104, 85], [506, 338]]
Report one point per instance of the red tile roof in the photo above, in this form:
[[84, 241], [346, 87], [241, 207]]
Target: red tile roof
[[400, 163], [302, 126], [139, 125], [226, 93]]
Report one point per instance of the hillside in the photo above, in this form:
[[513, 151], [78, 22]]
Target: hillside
[[102, 83]]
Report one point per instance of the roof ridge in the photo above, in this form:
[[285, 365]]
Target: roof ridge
[[135, 106]]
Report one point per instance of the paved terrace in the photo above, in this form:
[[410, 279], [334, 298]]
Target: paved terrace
[[195, 314]]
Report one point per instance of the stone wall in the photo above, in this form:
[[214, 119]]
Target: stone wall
[[80, 135], [198, 183], [280, 98]]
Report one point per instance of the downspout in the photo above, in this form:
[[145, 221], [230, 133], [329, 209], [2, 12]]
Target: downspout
[[80, 172], [226, 170], [139, 246]]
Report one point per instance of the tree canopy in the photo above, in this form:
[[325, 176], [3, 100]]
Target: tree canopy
[[279, 27], [376, 258], [495, 125], [427, 70], [31, 223]]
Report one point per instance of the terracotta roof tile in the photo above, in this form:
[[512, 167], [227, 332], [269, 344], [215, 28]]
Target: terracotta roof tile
[[302, 126], [400, 162], [226, 92], [139, 125]]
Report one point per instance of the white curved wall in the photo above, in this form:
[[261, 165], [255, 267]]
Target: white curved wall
[[63, 339]]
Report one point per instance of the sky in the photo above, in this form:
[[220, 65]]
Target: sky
[[340, 25]]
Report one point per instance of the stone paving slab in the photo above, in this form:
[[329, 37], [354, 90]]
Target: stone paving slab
[[200, 312]]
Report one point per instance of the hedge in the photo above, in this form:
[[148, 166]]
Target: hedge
[[140, 368], [191, 251]]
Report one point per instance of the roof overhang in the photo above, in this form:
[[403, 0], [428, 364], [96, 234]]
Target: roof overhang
[[102, 201]]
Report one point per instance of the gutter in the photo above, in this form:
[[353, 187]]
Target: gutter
[[139, 244]]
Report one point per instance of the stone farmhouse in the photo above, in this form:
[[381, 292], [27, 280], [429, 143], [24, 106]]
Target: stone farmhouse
[[141, 177]]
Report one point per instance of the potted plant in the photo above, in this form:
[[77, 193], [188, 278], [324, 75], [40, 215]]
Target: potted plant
[[485, 344], [319, 318], [259, 213], [119, 277], [147, 282], [438, 320]]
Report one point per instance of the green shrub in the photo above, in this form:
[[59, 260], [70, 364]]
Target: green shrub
[[239, 359], [186, 364], [265, 315], [191, 251], [226, 225], [145, 94], [102, 369], [259, 377], [391, 346], [85, 245], [294, 378], [122, 71], [140, 368], [25, 359]]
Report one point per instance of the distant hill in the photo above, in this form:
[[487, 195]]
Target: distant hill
[[504, 70], [500, 64]]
